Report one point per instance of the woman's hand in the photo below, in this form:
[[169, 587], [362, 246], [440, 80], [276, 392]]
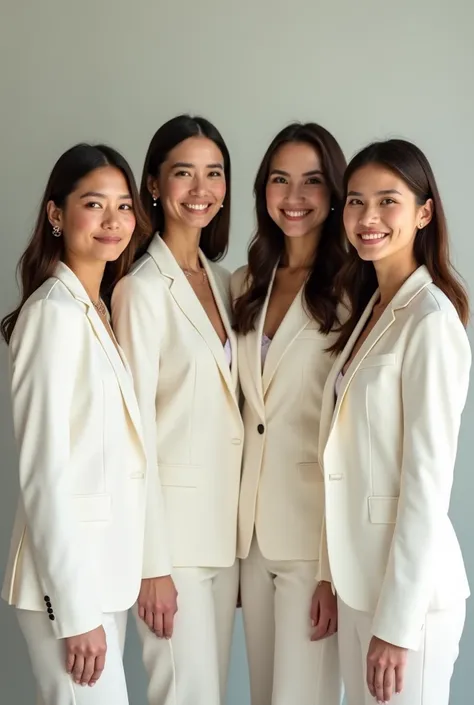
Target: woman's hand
[[85, 656], [158, 604], [385, 669], [323, 611]]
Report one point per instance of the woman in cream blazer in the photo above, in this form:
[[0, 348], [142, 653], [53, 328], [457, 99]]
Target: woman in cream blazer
[[286, 313], [172, 315], [79, 549], [388, 436]]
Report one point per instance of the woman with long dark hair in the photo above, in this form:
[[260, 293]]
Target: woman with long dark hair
[[389, 430], [172, 315], [286, 315], [80, 546]]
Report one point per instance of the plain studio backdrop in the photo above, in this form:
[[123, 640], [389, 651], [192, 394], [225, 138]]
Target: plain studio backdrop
[[114, 71]]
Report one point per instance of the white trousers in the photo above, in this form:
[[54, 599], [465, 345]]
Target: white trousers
[[285, 666], [48, 660], [191, 668], [428, 670]]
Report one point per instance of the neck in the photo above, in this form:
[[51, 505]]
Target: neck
[[184, 245], [90, 274], [300, 252], [392, 274]]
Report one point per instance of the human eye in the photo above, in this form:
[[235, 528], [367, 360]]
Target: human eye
[[93, 205], [279, 180], [126, 207], [387, 201], [182, 173], [354, 202], [314, 181], [215, 174]]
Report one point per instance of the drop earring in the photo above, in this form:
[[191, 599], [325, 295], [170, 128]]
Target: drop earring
[[56, 231], [155, 201]]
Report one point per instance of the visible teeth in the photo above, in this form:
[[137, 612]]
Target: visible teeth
[[296, 214], [197, 206], [372, 236]]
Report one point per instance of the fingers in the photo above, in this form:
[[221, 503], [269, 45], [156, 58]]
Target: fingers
[[168, 621], [378, 683], [370, 679], [78, 668], [399, 678], [321, 627], [332, 628], [99, 667], [148, 618], [388, 683], [315, 612], [158, 624], [141, 611], [70, 658], [89, 668]]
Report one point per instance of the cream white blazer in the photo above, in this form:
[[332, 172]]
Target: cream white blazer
[[388, 448], [282, 492], [78, 541], [188, 397]]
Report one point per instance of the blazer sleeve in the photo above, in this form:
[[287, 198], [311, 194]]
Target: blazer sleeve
[[46, 362], [324, 567], [435, 380], [137, 327]]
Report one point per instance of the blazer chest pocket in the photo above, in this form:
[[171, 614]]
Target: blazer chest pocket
[[179, 475], [94, 507], [383, 510], [378, 361]]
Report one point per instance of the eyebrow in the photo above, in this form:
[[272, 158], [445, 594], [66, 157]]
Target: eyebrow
[[314, 172], [96, 194], [187, 165], [384, 192]]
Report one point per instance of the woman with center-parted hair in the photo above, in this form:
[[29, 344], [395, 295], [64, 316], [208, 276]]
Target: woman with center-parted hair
[[389, 428], [286, 315], [172, 315], [82, 539]]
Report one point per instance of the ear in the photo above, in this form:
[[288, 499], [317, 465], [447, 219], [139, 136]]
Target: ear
[[425, 213], [55, 215], [152, 185]]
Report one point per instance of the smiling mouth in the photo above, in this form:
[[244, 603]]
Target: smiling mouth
[[295, 214], [108, 240], [197, 207], [372, 238]]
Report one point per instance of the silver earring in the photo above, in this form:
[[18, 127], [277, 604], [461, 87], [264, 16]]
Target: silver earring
[[56, 231], [222, 205], [155, 201], [332, 208]]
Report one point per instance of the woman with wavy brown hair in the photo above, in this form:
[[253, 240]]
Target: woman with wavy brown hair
[[286, 315], [81, 541], [389, 428]]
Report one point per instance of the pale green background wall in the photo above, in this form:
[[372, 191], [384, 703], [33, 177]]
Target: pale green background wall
[[114, 70]]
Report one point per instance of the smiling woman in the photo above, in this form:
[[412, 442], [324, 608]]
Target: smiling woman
[[172, 316], [78, 544]]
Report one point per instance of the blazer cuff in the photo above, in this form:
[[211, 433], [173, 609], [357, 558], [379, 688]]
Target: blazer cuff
[[393, 631]]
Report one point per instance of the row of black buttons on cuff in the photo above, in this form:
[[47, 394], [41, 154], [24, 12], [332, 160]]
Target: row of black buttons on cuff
[[49, 608]]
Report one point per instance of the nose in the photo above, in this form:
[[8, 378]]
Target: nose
[[369, 216], [295, 193], [198, 187], [111, 221]]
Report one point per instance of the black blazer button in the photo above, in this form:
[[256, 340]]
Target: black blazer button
[[48, 604], [50, 611], [260, 428], [52, 617], [46, 598]]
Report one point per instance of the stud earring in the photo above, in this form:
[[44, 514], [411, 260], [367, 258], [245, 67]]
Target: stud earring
[[56, 231], [222, 205], [420, 227]]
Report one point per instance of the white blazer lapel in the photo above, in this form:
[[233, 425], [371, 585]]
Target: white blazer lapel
[[190, 305], [119, 365], [295, 320]]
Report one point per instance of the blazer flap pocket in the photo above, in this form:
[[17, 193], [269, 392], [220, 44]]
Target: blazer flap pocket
[[93, 507], [383, 510], [179, 475], [378, 360], [311, 472]]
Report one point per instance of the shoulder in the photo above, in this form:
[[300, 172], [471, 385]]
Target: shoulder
[[50, 314], [143, 275]]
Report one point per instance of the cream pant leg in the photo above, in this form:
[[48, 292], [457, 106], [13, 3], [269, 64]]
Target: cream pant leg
[[428, 671], [48, 660], [286, 667], [191, 668]]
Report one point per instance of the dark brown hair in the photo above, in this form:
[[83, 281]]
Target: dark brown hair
[[268, 244], [44, 251], [215, 236], [357, 280]]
